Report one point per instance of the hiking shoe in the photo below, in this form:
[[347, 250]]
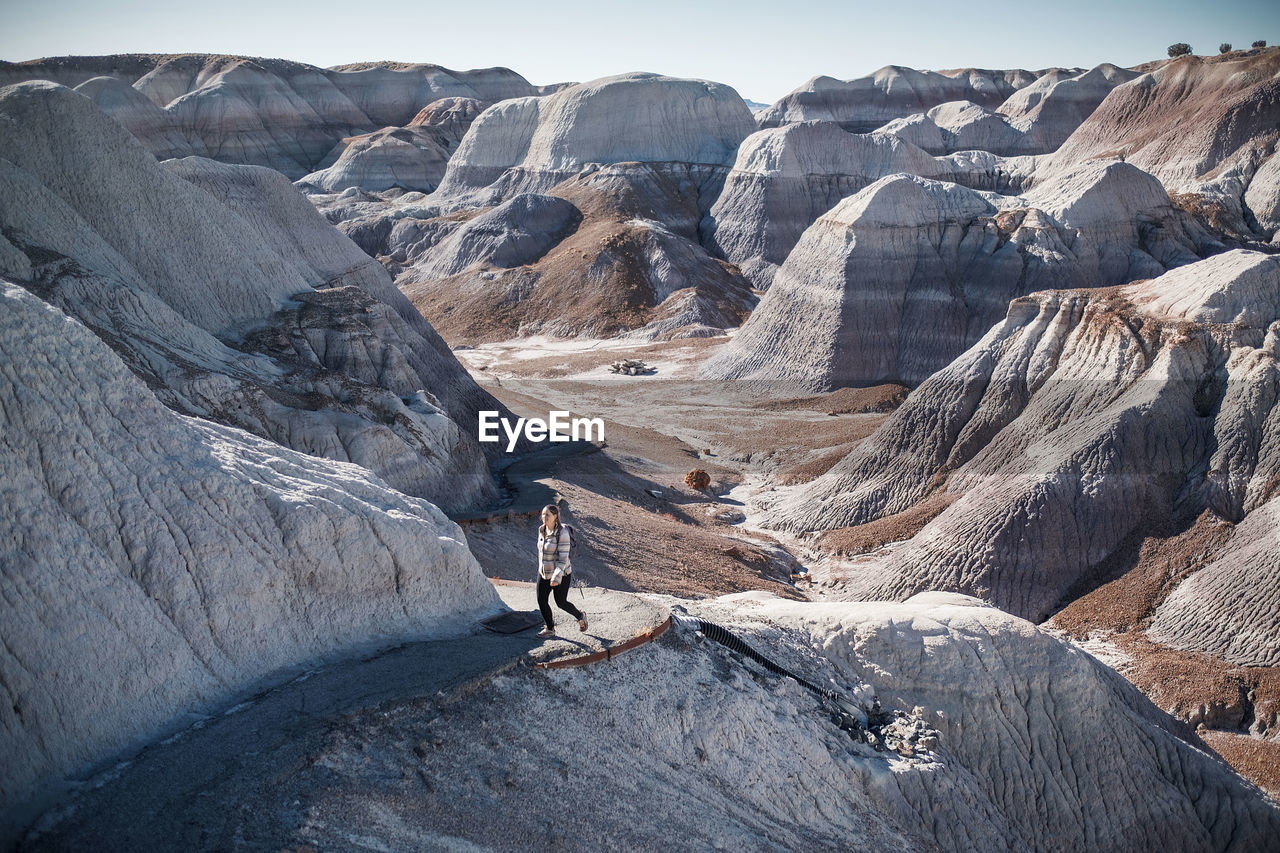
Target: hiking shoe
[[547, 632], [582, 623]]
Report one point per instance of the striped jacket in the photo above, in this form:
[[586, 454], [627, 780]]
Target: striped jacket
[[553, 554]]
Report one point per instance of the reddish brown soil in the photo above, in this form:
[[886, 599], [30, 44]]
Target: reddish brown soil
[[894, 528], [1223, 700], [1159, 564], [1256, 760], [630, 539]]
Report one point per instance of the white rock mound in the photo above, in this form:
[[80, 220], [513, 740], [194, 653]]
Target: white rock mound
[[1083, 418], [785, 178], [866, 103], [158, 565], [899, 279], [629, 117], [406, 157], [1037, 747], [224, 290]]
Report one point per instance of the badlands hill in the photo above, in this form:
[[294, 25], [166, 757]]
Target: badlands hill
[[897, 280], [574, 213], [865, 103], [159, 564], [215, 275], [1082, 419], [267, 112], [226, 292], [1207, 127], [1035, 119]]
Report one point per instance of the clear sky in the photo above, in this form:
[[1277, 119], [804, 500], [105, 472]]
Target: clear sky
[[764, 50]]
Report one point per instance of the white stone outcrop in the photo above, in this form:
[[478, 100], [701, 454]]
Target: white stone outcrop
[[785, 178], [411, 158], [1077, 421], [630, 117], [158, 565], [897, 280]]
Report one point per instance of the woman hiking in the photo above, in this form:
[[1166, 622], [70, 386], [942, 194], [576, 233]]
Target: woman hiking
[[554, 570]]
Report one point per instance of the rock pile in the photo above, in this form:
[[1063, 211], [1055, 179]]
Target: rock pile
[[632, 367]]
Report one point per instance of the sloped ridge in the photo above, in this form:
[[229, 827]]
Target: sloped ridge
[[998, 720], [161, 564], [1205, 126], [158, 129], [516, 232], [1228, 608], [900, 278], [91, 164], [783, 179], [1083, 418], [226, 291], [611, 251], [1035, 119]]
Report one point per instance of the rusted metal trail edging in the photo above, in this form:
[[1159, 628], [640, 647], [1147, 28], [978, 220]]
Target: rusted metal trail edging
[[609, 653]]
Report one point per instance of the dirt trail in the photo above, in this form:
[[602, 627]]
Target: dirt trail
[[245, 779]]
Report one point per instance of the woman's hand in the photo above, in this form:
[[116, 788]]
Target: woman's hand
[[555, 583]]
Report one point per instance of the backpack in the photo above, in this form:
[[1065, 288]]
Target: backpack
[[576, 577]]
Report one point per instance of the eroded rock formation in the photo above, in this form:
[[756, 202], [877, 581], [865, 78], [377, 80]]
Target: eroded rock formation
[[266, 112], [1038, 747], [226, 292], [157, 565], [1081, 419], [784, 179], [865, 103], [902, 277]]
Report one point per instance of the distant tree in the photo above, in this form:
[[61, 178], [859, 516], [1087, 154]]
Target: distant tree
[[1260, 43], [1180, 49], [1225, 47]]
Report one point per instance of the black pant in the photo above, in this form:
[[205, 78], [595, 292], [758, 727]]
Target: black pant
[[562, 599]]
